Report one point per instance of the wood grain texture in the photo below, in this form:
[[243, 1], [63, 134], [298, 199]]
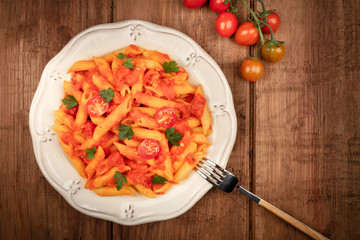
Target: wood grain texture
[[217, 214], [300, 152], [307, 131], [31, 33]]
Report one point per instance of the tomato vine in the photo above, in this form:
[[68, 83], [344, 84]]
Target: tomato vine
[[248, 33]]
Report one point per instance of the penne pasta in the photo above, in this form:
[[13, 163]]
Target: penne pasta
[[115, 117], [130, 122], [82, 66]]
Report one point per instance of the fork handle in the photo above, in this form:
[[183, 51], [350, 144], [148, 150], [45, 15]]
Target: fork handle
[[286, 217]]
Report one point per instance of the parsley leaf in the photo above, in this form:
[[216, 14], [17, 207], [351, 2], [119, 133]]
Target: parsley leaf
[[90, 153], [170, 67], [120, 179], [172, 136], [107, 95], [158, 180], [70, 101], [125, 131], [121, 56], [127, 63]]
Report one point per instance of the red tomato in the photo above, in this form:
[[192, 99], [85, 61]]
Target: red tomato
[[273, 21], [96, 106], [149, 148], [246, 34], [252, 69], [166, 117], [218, 5], [226, 24], [194, 3]]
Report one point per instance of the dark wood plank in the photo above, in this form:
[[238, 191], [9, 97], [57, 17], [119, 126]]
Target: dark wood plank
[[216, 214], [307, 138], [31, 33]]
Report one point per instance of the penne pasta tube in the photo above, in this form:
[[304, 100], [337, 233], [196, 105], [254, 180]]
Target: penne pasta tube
[[193, 122], [191, 148], [105, 179], [104, 68], [70, 89], [115, 117], [154, 102], [59, 128], [112, 191], [82, 66], [64, 118], [205, 118], [91, 167], [145, 191], [199, 138], [144, 133], [82, 115]]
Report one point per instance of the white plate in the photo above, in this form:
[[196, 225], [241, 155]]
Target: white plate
[[102, 39]]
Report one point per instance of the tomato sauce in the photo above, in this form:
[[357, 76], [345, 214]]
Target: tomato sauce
[[72, 111], [167, 89], [175, 152], [151, 78], [104, 139], [190, 158], [125, 75], [159, 161], [69, 139], [197, 105], [88, 129], [184, 111], [133, 77], [183, 128], [137, 173], [115, 159]]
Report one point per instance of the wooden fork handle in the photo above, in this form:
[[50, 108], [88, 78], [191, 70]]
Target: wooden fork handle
[[296, 223], [286, 217]]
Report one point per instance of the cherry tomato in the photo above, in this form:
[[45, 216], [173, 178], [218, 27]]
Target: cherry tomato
[[226, 24], [273, 21], [252, 69], [96, 106], [272, 53], [194, 3], [166, 117], [218, 5], [246, 34], [149, 148]]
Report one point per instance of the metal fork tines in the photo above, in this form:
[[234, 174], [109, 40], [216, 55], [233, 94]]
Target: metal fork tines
[[216, 175]]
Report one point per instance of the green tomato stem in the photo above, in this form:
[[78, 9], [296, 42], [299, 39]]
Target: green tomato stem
[[271, 30], [257, 21], [263, 6], [257, 52]]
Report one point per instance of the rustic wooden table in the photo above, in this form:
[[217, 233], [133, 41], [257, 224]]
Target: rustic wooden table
[[298, 140]]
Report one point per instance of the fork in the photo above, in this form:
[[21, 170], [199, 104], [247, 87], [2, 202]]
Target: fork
[[226, 181]]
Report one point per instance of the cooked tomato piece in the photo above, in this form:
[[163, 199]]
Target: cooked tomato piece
[[149, 148], [197, 105], [133, 77], [152, 78], [72, 111], [96, 106], [166, 117], [88, 129]]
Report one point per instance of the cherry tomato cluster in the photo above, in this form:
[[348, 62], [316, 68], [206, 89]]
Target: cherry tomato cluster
[[248, 33]]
